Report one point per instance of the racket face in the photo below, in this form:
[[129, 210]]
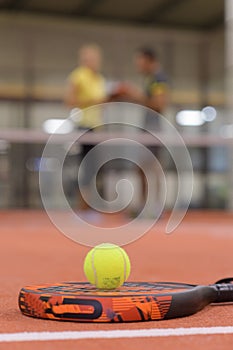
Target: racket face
[[81, 302]]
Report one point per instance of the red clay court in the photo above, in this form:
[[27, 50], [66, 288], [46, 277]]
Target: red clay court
[[199, 251]]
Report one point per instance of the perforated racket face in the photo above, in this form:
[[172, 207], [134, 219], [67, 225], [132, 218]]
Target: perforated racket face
[[129, 288], [75, 301]]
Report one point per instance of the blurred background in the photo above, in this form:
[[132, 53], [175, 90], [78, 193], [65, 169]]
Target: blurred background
[[39, 41]]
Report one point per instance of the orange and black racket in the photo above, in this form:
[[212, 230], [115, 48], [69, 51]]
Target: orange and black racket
[[134, 301]]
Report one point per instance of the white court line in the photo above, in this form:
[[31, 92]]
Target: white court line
[[133, 333]]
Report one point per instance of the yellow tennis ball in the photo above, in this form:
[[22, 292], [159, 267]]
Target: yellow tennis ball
[[107, 266]]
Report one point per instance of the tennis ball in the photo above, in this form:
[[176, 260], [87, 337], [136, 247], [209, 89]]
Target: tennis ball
[[107, 266]]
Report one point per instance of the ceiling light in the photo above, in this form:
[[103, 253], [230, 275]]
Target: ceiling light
[[190, 118], [58, 126]]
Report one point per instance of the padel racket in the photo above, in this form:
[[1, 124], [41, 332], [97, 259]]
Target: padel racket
[[142, 301]]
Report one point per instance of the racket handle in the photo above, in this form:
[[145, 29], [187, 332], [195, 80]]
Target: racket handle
[[224, 292]]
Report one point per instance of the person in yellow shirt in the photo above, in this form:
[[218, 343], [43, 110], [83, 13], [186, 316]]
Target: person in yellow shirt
[[86, 88], [86, 85]]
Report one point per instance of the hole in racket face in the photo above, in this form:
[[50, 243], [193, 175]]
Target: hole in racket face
[[122, 135]]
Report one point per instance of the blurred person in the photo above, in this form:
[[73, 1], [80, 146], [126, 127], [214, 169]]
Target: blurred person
[[86, 88], [86, 85], [153, 94]]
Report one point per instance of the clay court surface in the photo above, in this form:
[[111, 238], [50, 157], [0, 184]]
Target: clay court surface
[[199, 251]]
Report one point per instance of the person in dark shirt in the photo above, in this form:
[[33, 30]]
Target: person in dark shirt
[[153, 94]]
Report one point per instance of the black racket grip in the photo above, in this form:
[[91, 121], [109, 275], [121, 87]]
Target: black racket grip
[[224, 292]]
